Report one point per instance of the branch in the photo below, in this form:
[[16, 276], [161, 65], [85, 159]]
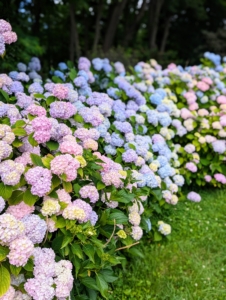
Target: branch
[[111, 235], [127, 247]]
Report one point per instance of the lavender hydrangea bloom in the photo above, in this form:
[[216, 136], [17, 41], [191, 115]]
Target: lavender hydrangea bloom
[[129, 156], [21, 67], [192, 196], [35, 228], [35, 88], [219, 146], [116, 140]]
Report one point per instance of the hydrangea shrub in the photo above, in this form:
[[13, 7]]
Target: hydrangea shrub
[[91, 158]]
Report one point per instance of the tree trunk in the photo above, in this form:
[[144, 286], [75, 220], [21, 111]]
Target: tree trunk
[[112, 26], [132, 28], [165, 35], [74, 37], [155, 8], [97, 26], [36, 14]]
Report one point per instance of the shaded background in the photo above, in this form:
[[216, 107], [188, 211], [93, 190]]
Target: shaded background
[[124, 30]]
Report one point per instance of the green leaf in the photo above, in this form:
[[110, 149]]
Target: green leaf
[[78, 118], [136, 252], [53, 194], [4, 280], [89, 251], [4, 251], [17, 143], [90, 283], [77, 250], [157, 236], [15, 270], [76, 262], [16, 198], [50, 100], [122, 196], [19, 123], [5, 190], [19, 131], [157, 193], [179, 90], [36, 159], [80, 172], [72, 74], [31, 117], [60, 222], [5, 95], [46, 161], [52, 145], [31, 140], [100, 185], [118, 216], [76, 188], [39, 96], [55, 181], [204, 162], [56, 79], [57, 242], [29, 198], [67, 186], [66, 241], [132, 146], [108, 275], [29, 265], [102, 285], [92, 294]]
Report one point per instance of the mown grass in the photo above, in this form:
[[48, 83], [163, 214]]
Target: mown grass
[[192, 265]]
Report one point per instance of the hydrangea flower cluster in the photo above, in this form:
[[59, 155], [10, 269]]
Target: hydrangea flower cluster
[[81, 163], [7, 36]]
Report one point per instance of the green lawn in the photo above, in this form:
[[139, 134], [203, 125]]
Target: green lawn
[[192, 265]]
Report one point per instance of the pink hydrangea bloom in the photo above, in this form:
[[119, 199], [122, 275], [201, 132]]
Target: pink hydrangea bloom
[[193, 106], [4, 26], [111, 178], [63, 196], [89, 191], [186, 114], [190, 97], [208, 178], [221, 99], [70, 146], [60, 91], [20, 210], [9, 37], [90, 144], [203, 112], [41, 123], [207, 80], [40, 180], [65, 164], [220, 178], [202, 86], [40, 288], [20, 251], [191, 167], [36, 110]]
